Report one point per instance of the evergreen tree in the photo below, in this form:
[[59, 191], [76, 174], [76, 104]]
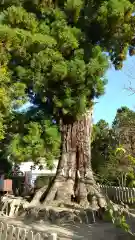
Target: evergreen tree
[[124, 127], [110, 165], [54, 56], [104, 143]]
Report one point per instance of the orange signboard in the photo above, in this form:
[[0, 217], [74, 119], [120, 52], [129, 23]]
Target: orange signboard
[[6, 185]]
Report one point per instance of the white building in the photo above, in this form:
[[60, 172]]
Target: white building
[[34, 171]]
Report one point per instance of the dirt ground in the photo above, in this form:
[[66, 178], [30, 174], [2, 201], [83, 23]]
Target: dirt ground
[[96, 231]]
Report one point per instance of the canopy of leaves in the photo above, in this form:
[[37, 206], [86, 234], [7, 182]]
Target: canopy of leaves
[[52, 53], [53, 50]]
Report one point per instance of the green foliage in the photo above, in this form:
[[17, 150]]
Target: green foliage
[[125, 118], [37, 140], [52, 43], [118, 169], [123, 165], [42, 181], [52, 53], [117, 217], [124, 125], [103, 145], [19, 17], [114, 163]]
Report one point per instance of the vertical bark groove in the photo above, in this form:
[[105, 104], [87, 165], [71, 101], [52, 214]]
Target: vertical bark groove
[[74, 178]]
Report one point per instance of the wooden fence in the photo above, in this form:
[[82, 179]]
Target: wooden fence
[[119, 194], [10, 232]]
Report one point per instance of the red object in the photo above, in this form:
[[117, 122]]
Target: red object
[[6, 185]]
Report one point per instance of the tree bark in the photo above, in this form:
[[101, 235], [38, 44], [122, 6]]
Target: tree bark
[[74, 179]]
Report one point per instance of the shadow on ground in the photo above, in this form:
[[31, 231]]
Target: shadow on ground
[[96, 231]]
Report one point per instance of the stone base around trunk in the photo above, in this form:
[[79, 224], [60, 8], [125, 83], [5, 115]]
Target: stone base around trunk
[[58, 215]]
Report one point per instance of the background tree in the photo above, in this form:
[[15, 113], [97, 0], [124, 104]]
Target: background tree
[[55, 57], [103, 144], [118, 170], [124, 127], [113, 165], [30, 136]]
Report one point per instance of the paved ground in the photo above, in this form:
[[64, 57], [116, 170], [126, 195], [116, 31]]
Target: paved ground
[[97, 231]]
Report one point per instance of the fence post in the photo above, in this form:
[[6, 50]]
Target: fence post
[[23, 234], [11, 231], [30, 235], [17, 233], [38, 236], [53, 236], [1, 229], [131, 196], [4, 234]]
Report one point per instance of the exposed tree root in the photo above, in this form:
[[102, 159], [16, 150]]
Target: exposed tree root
[[10, 205], [37, 196], [64, 192]]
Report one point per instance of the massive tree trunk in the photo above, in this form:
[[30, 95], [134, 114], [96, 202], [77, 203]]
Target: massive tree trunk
[[74, 178]]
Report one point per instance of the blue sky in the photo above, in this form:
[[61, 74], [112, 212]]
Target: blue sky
[[116, 95]]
